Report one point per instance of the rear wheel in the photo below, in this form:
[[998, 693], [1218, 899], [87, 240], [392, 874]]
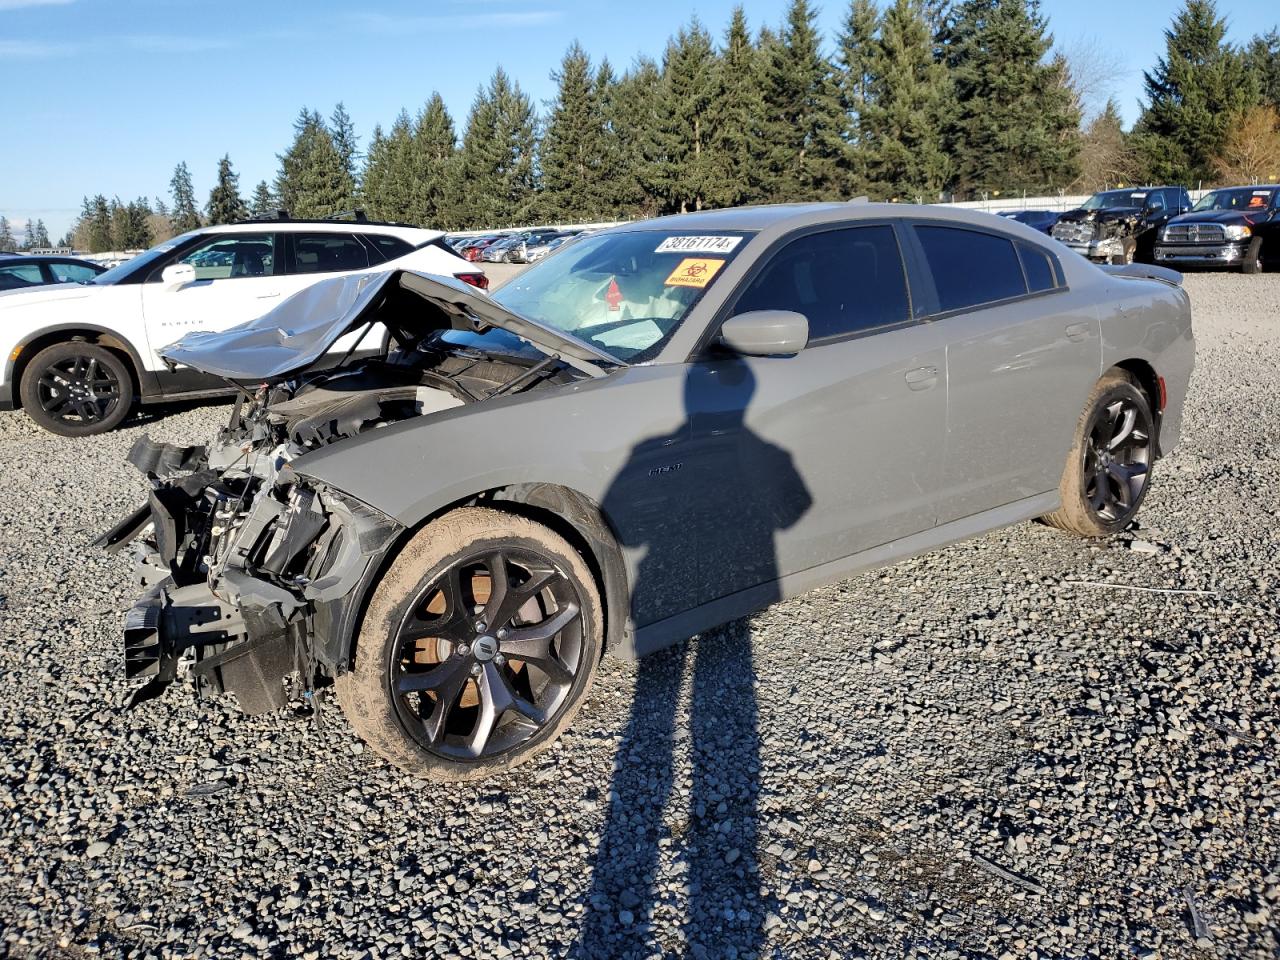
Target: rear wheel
[[1109, 467], [76, 389], [478, 648], [1252, 262], [1128, 252]]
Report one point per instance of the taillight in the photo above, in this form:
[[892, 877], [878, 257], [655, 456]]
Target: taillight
[[475, 279]]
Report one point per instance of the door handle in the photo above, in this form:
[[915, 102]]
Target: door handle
[[1077, 331], [921, 378]]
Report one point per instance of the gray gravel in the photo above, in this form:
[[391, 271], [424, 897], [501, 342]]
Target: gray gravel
[[971, 754]]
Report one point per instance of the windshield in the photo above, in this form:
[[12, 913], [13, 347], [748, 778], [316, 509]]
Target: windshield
[[122, 270], [625, 293], [1116, 198], [1238, 198]]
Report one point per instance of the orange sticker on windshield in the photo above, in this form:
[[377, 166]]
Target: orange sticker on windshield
[[694, 273]]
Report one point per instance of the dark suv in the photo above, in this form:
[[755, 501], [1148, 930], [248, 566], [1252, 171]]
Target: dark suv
[[1121, 226], [1234, 226]]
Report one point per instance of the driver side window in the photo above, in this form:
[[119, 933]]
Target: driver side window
[[228, 257]]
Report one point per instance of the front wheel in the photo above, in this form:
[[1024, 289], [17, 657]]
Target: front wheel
[[478, 647], [1109, 467], [1252, 262], [1128, 252], [76, 389]]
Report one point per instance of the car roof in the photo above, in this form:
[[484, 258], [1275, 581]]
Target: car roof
[[414, 235], [11, 258]]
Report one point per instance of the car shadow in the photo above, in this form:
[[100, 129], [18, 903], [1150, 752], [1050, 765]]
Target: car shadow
[[678, 848]]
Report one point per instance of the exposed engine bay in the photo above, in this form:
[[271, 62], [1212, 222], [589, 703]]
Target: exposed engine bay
[[250, 569]]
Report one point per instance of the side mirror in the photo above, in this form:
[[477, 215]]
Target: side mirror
[[177, 275], [766, 333]]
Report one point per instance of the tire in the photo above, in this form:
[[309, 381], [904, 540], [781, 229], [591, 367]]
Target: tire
[[413, 623], [1252, 262], [1129, 253], [77, 389], [1096, 502]]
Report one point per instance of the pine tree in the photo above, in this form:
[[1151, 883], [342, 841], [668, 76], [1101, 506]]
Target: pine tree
[[496, 162], [184, 216], [313, 180], [93, 232], [805, 155], [130, 226], [345, 142], [858, 47], [900, 126], [225, 203], [1015, 125], [682, 177], [738, 117], [388, 172], [1196, 92], [1262, 59], [263, 203], [8, 243], [631, 108], [434, 157], [573, 149], [37, 235]]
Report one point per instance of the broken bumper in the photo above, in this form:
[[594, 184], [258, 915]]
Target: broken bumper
[[249, 583]]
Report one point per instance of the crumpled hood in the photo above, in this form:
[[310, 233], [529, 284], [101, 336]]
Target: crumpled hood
[[301, 330], [1109, 215]]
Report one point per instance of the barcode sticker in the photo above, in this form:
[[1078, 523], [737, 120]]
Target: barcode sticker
[[698, 244]]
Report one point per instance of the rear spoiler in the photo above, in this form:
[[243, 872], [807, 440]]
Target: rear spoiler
[[1145, 271]]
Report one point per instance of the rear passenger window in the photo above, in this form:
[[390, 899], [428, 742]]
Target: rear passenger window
[[843, 281], [1038, 268], [388, 247], [971, 268], [328, 253]]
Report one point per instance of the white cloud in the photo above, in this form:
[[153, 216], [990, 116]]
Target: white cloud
[[34, 49], [20, 4]]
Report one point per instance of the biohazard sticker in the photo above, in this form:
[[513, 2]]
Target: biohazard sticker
[[694, 272], [698, 244]]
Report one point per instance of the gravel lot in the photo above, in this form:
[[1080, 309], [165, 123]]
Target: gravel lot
[[971, 754]]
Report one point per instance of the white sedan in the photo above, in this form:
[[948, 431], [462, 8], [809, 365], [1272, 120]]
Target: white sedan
[[78, 356]]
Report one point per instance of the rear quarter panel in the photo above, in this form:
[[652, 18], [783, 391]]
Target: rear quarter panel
[[1151, 321]]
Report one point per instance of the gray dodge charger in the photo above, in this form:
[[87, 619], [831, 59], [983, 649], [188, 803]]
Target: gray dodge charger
[[657, 429]]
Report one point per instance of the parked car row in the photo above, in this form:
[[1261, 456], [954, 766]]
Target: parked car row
[[524, 246], [1228, 227], [20, 271]]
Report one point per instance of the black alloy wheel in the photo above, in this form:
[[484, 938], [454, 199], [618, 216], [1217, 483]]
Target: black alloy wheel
[[487, 653], [1117, 459], [76, 389]]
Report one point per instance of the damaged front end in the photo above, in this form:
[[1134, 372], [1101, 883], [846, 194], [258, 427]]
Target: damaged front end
[[254, 573], [243, 564]]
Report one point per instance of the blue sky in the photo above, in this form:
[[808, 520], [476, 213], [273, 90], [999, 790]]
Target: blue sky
[[107, 95]]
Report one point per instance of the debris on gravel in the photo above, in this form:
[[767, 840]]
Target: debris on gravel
[[1026, 745]]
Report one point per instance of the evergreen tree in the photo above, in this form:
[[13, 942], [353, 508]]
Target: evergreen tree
[[93, 233], [1015, 125], [130, 228], [1263, 61], [388, 171], [496, 161], [37, 235], [8, 243], [573, 148], [1195, 94], [184, 216], [313, 180], [343, 132], [631, 108], [263, 203], [434, 158], [683, 176], [805, 155], [857, 52], [901, 116], [738, 115], [225, 203]]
